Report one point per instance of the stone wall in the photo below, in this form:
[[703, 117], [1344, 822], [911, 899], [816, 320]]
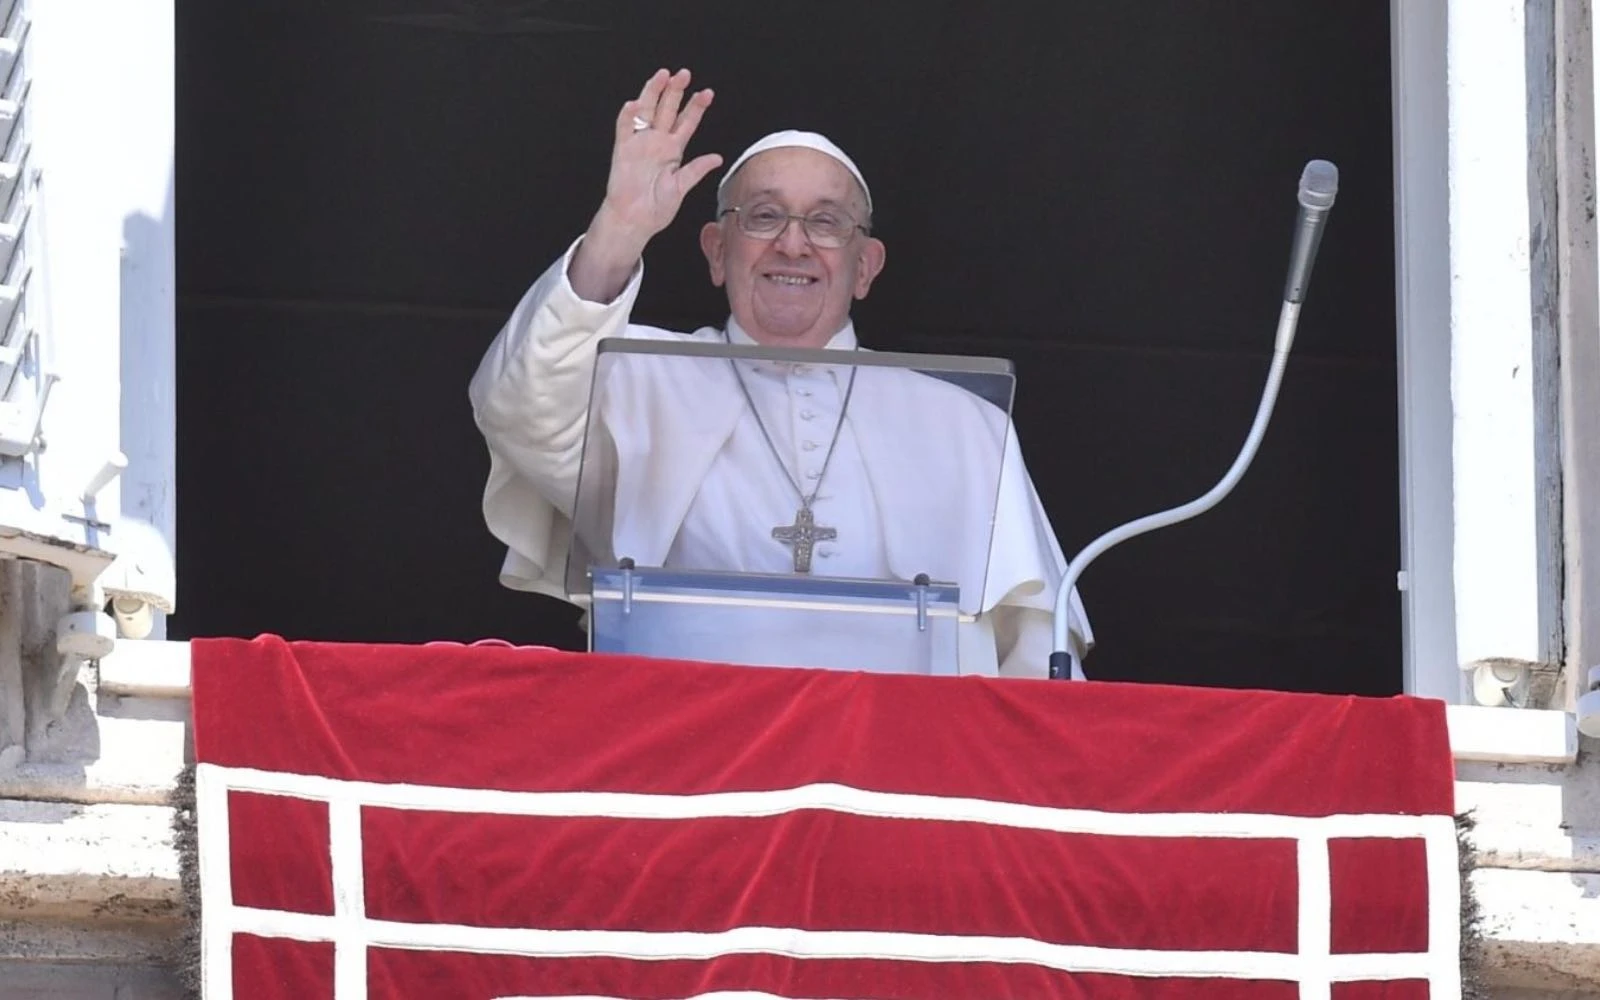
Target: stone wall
[[1538, 880], [89, 901]]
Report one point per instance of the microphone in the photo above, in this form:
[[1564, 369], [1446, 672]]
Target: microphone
[[1319, 183]]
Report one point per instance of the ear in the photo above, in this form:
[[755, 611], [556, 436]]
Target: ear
[[711, 238], [869, 264]]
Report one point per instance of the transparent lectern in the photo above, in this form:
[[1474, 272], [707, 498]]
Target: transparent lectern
[[789, 507]]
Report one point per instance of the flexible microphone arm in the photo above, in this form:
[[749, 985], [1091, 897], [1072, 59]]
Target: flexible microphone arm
[[1319, 183]]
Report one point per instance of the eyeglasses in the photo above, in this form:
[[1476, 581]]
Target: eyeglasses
[[826, 228]]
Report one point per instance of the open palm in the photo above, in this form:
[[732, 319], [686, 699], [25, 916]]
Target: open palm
[[649, 179]]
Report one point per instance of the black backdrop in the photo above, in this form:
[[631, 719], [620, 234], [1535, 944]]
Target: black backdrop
[[1103, 192]]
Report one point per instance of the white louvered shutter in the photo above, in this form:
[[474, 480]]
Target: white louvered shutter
[[24, 382]]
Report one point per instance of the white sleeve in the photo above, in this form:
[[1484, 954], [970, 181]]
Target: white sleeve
[[1023, 640], [530, 400], [530, 394]]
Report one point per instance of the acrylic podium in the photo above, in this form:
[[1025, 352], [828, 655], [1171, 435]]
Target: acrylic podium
[[691, 540]]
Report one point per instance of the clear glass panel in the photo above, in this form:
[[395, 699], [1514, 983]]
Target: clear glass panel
[[794, 469], [696, 453]]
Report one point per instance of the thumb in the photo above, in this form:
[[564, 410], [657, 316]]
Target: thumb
[[695, 171]]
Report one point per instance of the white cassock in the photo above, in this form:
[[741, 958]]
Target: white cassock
[[910, 486]]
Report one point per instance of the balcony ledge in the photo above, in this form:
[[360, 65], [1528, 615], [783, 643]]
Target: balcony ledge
[[157, 669], [1512, 735]]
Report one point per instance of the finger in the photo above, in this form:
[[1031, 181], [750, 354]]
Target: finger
[[625, 117], [643, 106], [695, 171], [652, 87], [666, 109], [630, 117], [690, 119], [650, 94]]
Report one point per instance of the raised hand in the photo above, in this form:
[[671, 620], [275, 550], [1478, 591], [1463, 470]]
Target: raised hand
[[647, 184], [648, 176]]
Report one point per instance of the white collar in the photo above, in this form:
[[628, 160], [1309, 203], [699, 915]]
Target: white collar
[[844, 340]]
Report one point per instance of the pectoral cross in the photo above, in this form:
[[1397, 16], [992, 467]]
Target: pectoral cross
[[803, 534]]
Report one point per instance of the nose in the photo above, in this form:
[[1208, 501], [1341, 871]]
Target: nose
[[792, 241]]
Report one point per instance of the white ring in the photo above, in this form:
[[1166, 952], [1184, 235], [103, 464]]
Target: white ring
[[639, 124]]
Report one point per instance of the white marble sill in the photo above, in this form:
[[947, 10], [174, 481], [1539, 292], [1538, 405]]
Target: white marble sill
[[160, 669], [146, 668], [1512, 735]]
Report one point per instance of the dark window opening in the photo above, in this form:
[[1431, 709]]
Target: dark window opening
[[1102, 192]]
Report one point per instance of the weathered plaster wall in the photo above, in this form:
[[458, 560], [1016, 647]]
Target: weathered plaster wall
[[61, 981], [1538, 838]]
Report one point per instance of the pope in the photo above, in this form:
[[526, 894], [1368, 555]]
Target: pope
[[846, 471]]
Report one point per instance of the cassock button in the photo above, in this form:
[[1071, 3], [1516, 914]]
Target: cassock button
[[825, 552], [808, 446], [807, 415], [813, 474]]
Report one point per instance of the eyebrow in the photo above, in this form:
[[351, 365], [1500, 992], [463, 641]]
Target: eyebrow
[[774, 192]]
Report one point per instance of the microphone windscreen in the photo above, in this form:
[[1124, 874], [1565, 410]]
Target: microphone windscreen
[[1319, 183]]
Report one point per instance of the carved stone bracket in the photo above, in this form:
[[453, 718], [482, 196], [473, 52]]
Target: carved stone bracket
[[38, 681]]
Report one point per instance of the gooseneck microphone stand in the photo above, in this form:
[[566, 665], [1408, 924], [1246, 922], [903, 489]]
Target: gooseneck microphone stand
[[1319, 183]]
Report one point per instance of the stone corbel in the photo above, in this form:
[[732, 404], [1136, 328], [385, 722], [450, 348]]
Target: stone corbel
[[48, 629]]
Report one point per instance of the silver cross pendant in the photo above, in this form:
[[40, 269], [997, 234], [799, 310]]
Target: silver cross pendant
[[803, 535]]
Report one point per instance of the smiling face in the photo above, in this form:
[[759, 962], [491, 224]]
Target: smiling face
[[786, 291]]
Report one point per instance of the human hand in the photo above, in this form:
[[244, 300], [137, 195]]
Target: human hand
[[649, 179]]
